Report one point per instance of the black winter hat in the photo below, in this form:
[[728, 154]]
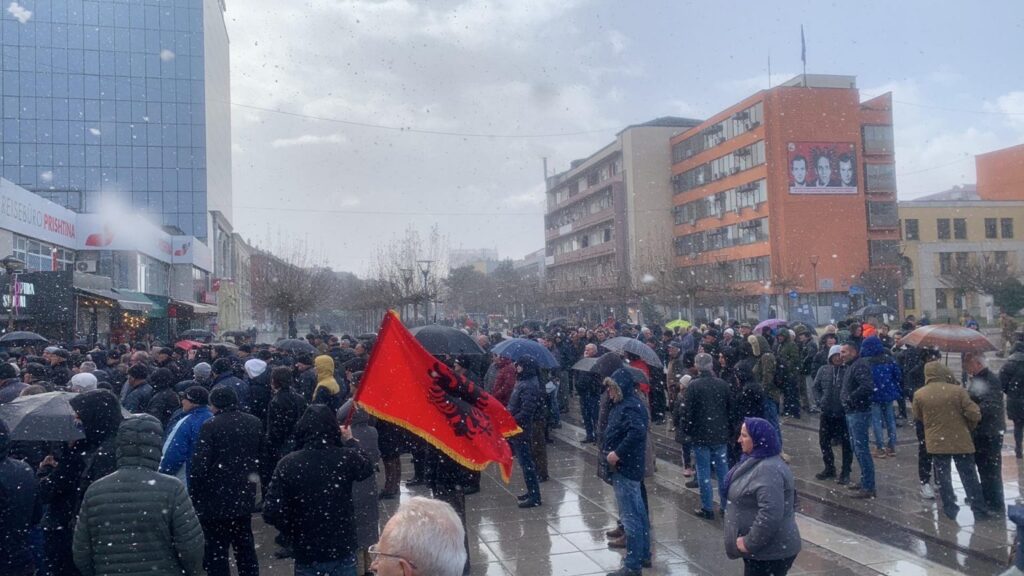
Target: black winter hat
[[222, 366], [197, 395], [223, 398], [7, 371]]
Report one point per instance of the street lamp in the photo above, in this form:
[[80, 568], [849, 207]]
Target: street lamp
[[13, 266], [813, 259], [424, 266]]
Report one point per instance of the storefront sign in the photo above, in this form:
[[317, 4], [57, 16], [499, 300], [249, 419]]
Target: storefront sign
[[31, 215], [125, 233], [188, 250]]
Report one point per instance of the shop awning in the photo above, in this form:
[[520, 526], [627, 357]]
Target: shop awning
[[197, 308], [134, 301], [126, 300]]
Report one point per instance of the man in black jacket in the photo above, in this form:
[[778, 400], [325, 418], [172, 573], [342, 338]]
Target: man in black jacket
[[164, 401], [283, 412], [588, 386], [18, 507], [858, 387], [305, 376], [706, 409], [310, 496], [832, 424], [221, 485], [987, 392]]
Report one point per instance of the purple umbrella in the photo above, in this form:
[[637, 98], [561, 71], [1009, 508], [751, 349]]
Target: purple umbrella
[[772, 323]]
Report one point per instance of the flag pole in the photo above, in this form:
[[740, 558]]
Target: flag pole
[[803, 53]]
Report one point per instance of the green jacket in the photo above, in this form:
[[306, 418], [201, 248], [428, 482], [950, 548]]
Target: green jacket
[[789, 356], [136, 520]]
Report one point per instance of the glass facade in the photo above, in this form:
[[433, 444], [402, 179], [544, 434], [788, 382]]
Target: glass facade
[[106, 98]]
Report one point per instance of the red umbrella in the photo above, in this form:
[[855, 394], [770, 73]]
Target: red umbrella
[[188, 344], [948, 338]]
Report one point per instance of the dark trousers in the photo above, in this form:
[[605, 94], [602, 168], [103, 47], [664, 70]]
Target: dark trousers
[[834, 428], [224, 533], [968, 473], [659, 401], [989, 460], [453, 495], [589, 407], [791, 398], [924, 459], [539, 448], [392, 474], [417, 462], [1018, 436], [57, 560], [767, 567]]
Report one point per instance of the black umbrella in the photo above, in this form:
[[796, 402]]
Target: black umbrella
[[606, 365], [234, 333], [633, 346], [557, 322], [41, 417], [22, 338], [439, 340], [295, 346], [196, 334], [874, 310]]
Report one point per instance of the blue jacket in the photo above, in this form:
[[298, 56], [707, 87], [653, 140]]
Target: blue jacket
[[241, 388], [527, 396], [885, 372], [626, 432], [181, 441]]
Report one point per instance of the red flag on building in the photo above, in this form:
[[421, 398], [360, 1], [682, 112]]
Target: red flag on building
[[405, 385]]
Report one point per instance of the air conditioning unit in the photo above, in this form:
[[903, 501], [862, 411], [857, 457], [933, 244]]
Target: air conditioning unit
[[85, 266]]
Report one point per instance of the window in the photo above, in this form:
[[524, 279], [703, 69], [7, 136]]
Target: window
[[1000, 258], [880, 177], [990, 228], [941, 303], [38, 256], [878, 140], [910, 229], [945, 262], [1007, 227], [908, 299], [882, 215], [960, 259], [721, 167], [943, 228], [751, 194], [884, 252], [739, 234], [960, 228]]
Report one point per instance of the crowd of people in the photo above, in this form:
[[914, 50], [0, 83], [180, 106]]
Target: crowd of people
[[217, 435]]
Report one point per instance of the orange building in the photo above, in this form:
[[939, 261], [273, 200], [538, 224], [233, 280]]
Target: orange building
[[786, 200], [1001, 174]]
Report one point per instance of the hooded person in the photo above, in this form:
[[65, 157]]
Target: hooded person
[[625, 445], [18, 510], [763, 370], [364, 492], [164, 401], [888, 381], [760, 520], [222, 483], [327, 391], [258, 376], [66, 476], [137, 520], [828, 382], [312, 488], [949, 417], [524, 404]]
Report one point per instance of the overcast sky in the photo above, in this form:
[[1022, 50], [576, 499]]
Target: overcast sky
[[579, 70]]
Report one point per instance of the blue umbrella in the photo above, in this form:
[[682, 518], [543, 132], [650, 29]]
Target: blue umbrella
[[514, 348]]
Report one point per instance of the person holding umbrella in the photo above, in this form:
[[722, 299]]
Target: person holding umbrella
[[525, 403]]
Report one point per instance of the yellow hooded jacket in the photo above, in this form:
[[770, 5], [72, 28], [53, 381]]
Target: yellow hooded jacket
[[324, 366]]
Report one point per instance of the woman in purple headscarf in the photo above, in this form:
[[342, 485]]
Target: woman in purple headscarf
[[760, 522]]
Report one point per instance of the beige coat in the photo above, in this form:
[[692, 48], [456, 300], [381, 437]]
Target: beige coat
[[947, 412]]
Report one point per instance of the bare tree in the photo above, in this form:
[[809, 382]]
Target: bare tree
[[978, 274], [283, 287]]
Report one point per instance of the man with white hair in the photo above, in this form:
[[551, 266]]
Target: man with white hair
[[83, 382], [424, 538]]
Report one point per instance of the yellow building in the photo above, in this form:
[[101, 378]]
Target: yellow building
[[951, 231]]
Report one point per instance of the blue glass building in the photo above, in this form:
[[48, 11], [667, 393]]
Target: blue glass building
[[111, 99]]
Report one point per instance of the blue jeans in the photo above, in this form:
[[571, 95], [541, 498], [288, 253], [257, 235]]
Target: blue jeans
[[521, 448], [859, 422], [634, 520], [882, 413], [589, 408], [708, 456], [343, 567]]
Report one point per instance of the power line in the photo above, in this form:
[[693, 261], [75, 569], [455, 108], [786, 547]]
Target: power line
[[415, 130]]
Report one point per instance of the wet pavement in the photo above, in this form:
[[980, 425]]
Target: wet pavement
[[566, 535]]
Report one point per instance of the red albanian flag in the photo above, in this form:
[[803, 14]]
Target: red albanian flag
[[405, 385]]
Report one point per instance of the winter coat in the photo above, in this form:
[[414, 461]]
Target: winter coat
[[707, 408], [626, 432], [85, 462], [808, 356], [310, 496], [327, 391], [19, 506], [858, 387], [588, 384], [137, 521], [305, 382], [163, 404], [1012, 378], [11, 389], [241, 388], [181, 443], [828, 383], [283, 412], [259, 395], [789, 360], [224, 465], [364, 492], [136, 400], [505, 383], [762, 498], [526, 401], [947, 412], [59, 375], [985, 391], [763, 367], [885, 372]]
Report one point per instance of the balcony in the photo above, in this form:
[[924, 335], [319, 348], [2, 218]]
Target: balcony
[[615, 182], [586, 221], [587, 253]]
